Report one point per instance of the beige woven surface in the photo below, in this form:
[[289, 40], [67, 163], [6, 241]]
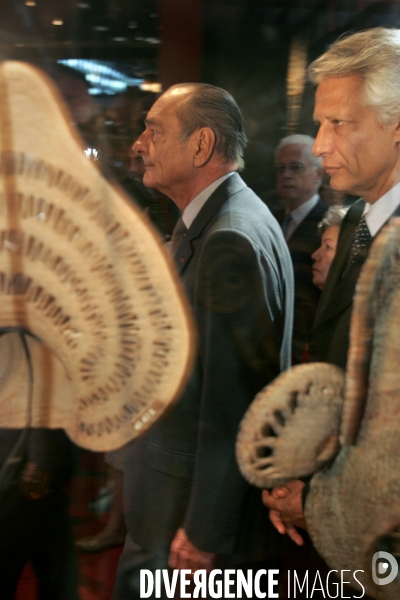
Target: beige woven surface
[[353, 509], [83, 271], [292, 427]]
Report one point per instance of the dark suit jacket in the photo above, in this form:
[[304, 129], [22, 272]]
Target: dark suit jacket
[[329, 340], [302, 244], [237, 271]]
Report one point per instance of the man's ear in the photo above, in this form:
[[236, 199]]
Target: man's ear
[[397, 132], [204, 146]]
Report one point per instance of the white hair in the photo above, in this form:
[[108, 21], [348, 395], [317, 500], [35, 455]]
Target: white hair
[[333, 217], [299, 139], [374, 55]]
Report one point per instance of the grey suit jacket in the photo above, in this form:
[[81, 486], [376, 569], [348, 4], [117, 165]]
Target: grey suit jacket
[[329, 340], [237, 272]]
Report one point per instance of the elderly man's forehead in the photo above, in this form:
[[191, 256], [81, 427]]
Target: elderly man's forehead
[[301, 150], [339, 90], [158, 113], [166, 104]]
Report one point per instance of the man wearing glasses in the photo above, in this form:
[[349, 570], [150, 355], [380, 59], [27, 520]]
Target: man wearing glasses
[[299, 175]]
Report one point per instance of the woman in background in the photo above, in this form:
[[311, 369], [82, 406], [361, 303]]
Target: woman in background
[[324, 255]]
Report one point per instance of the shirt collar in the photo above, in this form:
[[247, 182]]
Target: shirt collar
[[379, 212], [195, 206], [300, 213]]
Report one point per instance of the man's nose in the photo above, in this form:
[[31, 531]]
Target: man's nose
[[285, 171], [138, 146], [323, 143]]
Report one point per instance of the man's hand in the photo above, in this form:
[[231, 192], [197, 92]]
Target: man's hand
[[184, 555], [286, 509]]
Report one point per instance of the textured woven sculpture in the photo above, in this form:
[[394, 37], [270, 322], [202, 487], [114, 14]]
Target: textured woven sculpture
[[273, 444], [83, 273], [353, 506]]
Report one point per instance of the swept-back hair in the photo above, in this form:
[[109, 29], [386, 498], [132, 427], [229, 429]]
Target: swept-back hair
[[213, 107], [373, 54]]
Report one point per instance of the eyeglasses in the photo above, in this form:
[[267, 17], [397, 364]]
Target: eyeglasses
[[294, 167]]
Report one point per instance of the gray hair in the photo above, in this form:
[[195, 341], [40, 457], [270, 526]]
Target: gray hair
[[213, 107], [374, 54], [299, 139], [333, 217]]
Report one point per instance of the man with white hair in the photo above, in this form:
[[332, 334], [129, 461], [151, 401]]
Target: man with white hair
[[357, 108], [299, 176]]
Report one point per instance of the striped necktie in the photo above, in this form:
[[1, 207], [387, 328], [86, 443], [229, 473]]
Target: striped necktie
[[178, 233], [286, 224]]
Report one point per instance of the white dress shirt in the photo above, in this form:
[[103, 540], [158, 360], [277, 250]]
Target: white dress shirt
[[379, 212], [195, 206], [299, 214]]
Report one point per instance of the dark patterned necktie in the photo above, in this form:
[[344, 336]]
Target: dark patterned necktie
[[285, 225], [362, 238], [179, 231]]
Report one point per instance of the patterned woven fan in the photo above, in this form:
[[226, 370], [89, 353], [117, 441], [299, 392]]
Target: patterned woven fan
[[86, 276]]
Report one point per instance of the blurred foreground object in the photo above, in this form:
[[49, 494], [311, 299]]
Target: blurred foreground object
[[85, 275], [353, 506]]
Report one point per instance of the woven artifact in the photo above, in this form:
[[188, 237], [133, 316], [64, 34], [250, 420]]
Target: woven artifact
[[84, 275]]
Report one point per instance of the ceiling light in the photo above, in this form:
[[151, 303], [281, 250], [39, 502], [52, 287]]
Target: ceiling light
[[103, 78], [120, 39], [151, 86], [57, 22], [100, 28], [83, 5], [30, 3]]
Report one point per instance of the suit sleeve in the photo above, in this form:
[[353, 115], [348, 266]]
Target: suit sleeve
[[238, 312]]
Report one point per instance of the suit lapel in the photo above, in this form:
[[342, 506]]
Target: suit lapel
[[230, 186], [343, 295], [331, 302], [310, 221], [339, 291]]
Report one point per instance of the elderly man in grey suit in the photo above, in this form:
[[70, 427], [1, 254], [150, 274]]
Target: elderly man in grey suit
[[186, 502], [357, 107]]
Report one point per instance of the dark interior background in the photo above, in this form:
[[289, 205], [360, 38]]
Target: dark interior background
[[245, 46]]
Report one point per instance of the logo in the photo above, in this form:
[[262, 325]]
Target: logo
[[384, 568]]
